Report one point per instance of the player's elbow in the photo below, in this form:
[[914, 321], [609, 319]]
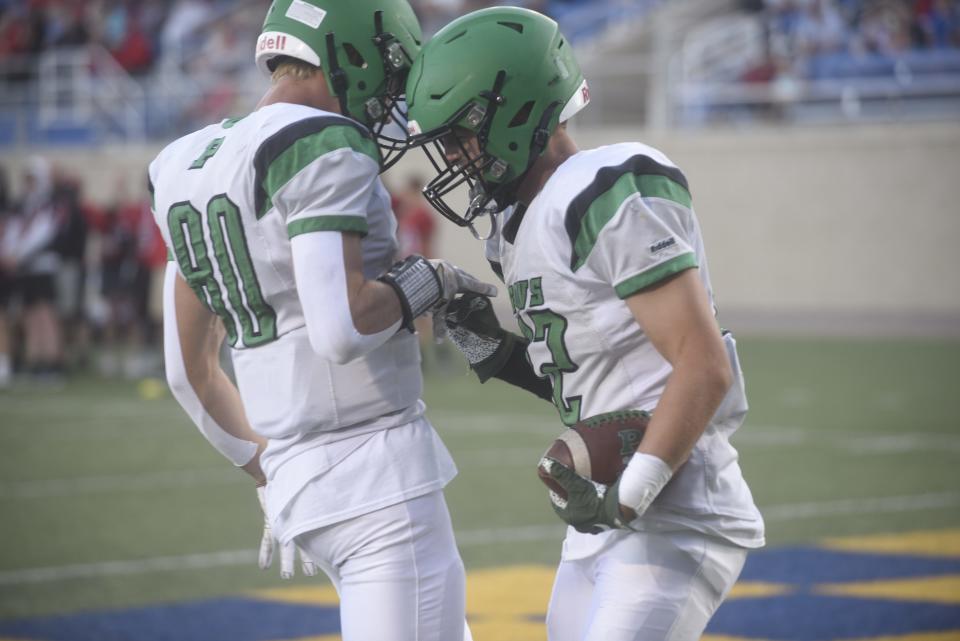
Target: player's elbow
[[335, 345], [718, 373], [178, 383]]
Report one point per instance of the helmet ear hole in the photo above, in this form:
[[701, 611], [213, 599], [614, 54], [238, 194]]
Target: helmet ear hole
[[354, 57], [522, 116]]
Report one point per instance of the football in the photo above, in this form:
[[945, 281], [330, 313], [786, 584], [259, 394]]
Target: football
[[596, 448]]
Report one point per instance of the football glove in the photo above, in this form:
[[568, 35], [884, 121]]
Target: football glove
[[472, 326], [288, 551], [589, 507]]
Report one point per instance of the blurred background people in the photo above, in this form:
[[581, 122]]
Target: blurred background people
[[28, 252], [416, 227]]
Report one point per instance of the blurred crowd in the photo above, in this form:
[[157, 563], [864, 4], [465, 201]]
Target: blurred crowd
[[138, 33], [81, 284], [809, 38], [193, 59], [143, 34]]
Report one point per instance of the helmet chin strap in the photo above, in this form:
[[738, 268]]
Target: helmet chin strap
[[477, 204]]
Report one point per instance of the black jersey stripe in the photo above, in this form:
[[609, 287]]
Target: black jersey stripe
[[271, 148], [577, 215]]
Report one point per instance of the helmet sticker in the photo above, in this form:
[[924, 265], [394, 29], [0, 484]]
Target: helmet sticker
[[579, 100], [306, 13], [414, 128]]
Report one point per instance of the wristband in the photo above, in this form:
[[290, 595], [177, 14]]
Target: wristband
[[642, 481], [417, 286]]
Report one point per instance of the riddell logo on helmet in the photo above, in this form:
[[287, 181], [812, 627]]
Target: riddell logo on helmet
[[585, 92], [271, 43]]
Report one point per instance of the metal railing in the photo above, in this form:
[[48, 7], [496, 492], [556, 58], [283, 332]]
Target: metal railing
[[706, 84]]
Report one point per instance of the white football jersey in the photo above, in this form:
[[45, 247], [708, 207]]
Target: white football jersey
[[609, 223], [228, 199]]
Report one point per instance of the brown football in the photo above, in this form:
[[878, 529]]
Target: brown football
[[597, 448]]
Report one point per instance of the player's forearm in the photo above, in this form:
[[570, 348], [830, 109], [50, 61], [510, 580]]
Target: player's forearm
[[701, 377], [518, 371], [346, 315], [374, 305], [215, 408], [191, 341], [224, 410]]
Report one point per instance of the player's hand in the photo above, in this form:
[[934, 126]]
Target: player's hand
[[454, 280], [590, 507], [473, 327], [288, 551]]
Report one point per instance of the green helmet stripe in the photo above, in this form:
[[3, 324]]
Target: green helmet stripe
[[281, 156], [596, 205]]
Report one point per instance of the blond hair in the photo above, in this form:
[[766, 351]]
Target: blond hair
[[297, 69]]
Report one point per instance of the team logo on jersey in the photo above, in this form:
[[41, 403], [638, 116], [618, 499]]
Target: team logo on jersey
[[662, 244]]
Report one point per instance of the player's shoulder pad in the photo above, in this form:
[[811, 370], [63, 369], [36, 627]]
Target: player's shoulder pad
[[284, 153], [635, 169]]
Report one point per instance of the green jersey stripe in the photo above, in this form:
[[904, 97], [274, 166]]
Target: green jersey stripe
[[327, 223], [281, 156], [593, 207], [655, 274]]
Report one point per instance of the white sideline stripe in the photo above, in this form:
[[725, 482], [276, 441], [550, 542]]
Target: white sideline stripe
[[482, 458], [222, 475], [467, 538], [887, 504], [753, 435], [112, 483], [119, 568]]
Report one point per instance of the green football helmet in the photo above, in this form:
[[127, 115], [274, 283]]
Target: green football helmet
[[365, 48], [506, 75]]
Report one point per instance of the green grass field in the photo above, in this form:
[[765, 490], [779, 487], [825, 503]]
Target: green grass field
[[108, 499]]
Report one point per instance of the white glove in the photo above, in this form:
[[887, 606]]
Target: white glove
[[287, 551], [453, 281]]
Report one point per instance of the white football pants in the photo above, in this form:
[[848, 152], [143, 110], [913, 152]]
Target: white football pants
[[644, 587], [397, 571]]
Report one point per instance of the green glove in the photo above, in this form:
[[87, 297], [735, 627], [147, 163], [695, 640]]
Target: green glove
[[472, 326], [590, 507]]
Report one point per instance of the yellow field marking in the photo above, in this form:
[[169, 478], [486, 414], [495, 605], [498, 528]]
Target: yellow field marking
[[320, 595], [939, 589], [925, 543], [325, 637], [758, 589], [950, 635], [509, 603], [509, 591]]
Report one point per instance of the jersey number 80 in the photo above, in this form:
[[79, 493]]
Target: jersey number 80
[[244, 304]]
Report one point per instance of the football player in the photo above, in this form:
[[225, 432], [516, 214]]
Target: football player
[[282, 241], [607, 276]]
